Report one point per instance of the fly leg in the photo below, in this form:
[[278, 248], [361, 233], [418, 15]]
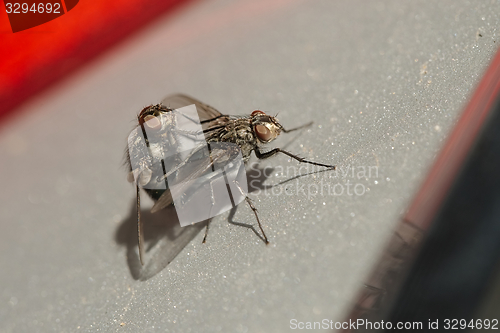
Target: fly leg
[[203, 121], [230, 218], [213, 204], [197, 133], [250, 203], [206, 232], [212, 119], [252, 207], [262, 155], [140, 229]]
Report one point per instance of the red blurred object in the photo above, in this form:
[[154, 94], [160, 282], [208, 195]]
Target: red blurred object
[[37, 57], [31, 13]]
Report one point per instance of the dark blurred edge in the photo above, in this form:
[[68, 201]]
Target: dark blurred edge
[[90, 48], [443, 260], [453, 270]]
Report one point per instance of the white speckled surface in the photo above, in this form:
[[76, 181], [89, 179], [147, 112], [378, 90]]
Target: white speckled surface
[[384, 82]]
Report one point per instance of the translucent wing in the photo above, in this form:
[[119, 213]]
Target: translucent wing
[[192, 168], [206, 185], [173, 239], [209, 116]]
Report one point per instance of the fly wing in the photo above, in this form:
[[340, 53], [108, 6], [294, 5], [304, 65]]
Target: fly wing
[[209, 116], [168, 248], [198, 172], [164, 201], [190, 168]]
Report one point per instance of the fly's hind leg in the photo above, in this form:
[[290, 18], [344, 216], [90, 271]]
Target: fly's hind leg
[[206, 232], [212, 198], [233, 211], [140, 229], [250, 203], [254, 210], [230, 219]]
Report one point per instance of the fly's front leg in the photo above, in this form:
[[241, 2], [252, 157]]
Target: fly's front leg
[[262, 155]]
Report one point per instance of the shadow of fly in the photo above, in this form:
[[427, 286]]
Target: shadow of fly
[[180, 158]]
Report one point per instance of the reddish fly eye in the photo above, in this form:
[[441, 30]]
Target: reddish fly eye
[[263, 133], [152, 122], [258, 113]]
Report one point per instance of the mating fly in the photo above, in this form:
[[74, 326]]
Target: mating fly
[[170, 175]]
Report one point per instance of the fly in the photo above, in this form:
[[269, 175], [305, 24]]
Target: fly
[[227, 137]]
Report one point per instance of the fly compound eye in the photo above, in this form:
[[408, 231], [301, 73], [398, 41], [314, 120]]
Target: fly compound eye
[[142, 177], [257, 113], [152, 122], [263, 133]]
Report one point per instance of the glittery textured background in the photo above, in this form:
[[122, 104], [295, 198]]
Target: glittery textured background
[[384, 82]]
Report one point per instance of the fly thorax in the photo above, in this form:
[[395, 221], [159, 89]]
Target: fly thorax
[[247, 141]]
